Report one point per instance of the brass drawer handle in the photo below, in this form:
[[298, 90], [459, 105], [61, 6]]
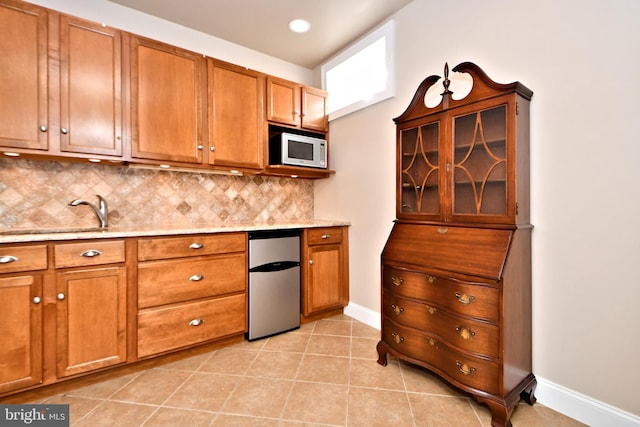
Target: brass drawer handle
[[432, 310], [196, 322], [397, 338], [91, 253], [465, 332], [464, 298], [431, 279], [8, 259], [196, 278], [464, 368], [443, 230], [433, 343], [196, 246], [397, 281], [397, 310]]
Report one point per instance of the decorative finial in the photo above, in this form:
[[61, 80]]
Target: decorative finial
[[446, 81]]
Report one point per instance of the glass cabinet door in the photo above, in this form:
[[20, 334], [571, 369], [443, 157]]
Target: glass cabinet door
[[420, 170], [480, 162]]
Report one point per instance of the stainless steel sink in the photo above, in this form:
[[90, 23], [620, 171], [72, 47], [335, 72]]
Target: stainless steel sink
[[22, 231]]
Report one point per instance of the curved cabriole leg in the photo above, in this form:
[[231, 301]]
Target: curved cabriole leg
[[382, 353], [500, 414], [527, 393]]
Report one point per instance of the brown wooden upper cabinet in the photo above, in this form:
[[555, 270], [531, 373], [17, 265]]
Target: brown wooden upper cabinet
[[235, 115], [292, 104], [23, 64], [65, 97], [166, 102]]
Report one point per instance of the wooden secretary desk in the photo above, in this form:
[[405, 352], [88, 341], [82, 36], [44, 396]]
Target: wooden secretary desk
[[456, 268]]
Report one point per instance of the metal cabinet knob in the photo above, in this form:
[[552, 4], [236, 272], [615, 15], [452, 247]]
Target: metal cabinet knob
[[212, 148], [196, 278], [43, 128], [196, 246], [326, 236], [311, 261], [200, 147], [196, 322], [60, 296], [64, 131], [36, 300]]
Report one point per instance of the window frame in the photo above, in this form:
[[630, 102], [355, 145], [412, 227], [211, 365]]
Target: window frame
[[386, 30]]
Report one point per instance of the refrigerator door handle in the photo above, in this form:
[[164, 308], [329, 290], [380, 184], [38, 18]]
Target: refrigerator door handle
[[274, 266]]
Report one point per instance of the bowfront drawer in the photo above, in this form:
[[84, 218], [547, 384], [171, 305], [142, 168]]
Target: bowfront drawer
[[169, 328], [165, 282], [468, 335], [22, 258], [83, 254], [178, 247], [320, 236], [467, 298], [467, 370]]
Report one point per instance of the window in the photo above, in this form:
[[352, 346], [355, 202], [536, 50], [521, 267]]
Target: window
[[362, 75]]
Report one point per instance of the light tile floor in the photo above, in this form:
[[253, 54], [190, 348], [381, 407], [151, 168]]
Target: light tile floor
[[324, 374]]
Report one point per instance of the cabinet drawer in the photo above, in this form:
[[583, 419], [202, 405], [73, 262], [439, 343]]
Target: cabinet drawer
[[83, 254], [177, 247], [465, 369], [467, 298], [22, 258], [169, 328], [321, 236], [165, 282], [468, 335]]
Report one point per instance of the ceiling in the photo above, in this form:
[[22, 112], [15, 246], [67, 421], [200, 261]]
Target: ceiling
[[262, 25]]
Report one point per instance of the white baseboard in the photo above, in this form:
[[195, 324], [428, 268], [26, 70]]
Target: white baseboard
[[568, 402], [582, 408]]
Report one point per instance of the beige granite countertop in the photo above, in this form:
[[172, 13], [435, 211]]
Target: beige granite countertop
[[22, 235]]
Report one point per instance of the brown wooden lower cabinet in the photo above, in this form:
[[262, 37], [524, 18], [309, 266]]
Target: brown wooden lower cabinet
[[91, 319], [21, 320], [71, 308], [325, 269]]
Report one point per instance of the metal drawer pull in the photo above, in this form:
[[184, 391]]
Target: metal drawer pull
[[397, 281], [397, 338], [326, 236], [91, 253], [7, 259], [396, 309], [464, 298], [196, 322], [36, 300], [466, 332], [196, 246], [196, 278], [60, 296], [443, 230], [464, 368]]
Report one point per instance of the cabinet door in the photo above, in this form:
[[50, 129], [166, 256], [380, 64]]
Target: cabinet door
[[480, 164], [283, 101], [23, 76], [324, 288], [91, 319], [166, 101], [90, 86], [314, 109], [421, 180], [235, 115], [21, 326]]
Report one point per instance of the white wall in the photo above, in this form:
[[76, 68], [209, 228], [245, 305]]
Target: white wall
[[582, 60], [117, 16]]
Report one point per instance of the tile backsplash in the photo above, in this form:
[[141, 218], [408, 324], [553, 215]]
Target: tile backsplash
[[36, 193]]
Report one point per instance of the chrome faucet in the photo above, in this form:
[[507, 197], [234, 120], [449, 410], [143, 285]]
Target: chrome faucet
[[100, 212]]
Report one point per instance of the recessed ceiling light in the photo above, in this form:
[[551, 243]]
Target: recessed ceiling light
[[299, 25]]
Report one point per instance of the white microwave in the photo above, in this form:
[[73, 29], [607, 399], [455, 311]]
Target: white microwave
[[298, 150]]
